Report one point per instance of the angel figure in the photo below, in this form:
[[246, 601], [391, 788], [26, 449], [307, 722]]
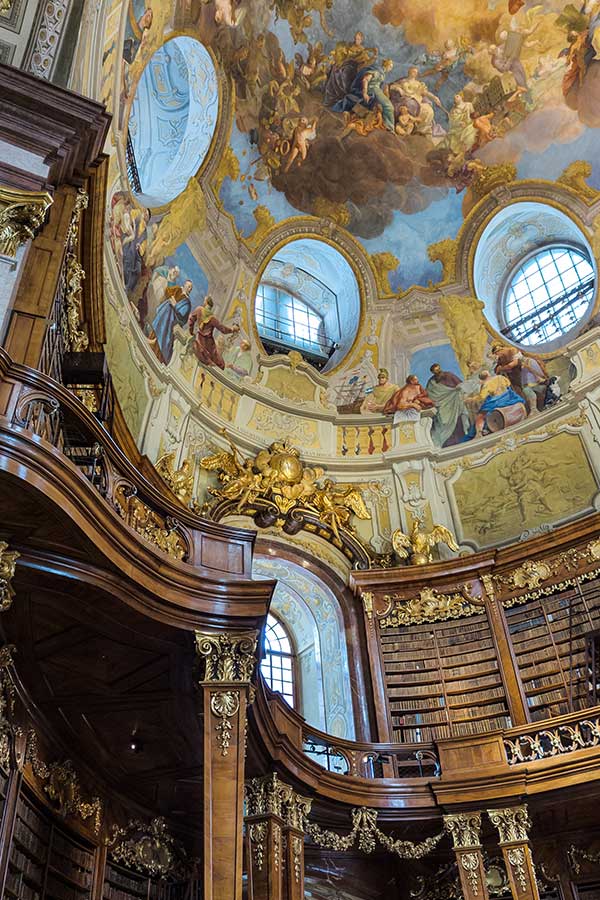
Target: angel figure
[[239, 480], [420, 543], [336, 505]]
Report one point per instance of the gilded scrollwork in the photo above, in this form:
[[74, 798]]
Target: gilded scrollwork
[[61, 784], [465, 829], [227, 656], [512, 822], [553, 741], [145, 847], [22, 214], [429, 606], [537, 578], [8, 562], [162, 531], [181, 480], [73, 276]]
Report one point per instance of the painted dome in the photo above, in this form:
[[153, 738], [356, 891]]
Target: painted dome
[[331, 199]]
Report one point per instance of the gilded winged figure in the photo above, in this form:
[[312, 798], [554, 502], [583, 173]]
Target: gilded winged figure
[[239, 480], [336, 505], [418, 545]]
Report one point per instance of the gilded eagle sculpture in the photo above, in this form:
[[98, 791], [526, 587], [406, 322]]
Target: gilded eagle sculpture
[[417, 546]]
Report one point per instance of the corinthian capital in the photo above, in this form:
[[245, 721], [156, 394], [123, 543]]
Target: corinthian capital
[[22, 213], [228, 656], [513, 824], [465, 829]]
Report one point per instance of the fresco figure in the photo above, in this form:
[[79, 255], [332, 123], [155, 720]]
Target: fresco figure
[[367, 88], [238, 358], [416, 96], [379, 396], [527, 375], [204, 345], [347, 60], [495, 392], [174, 310], [451, 420], [410, 397], [163, 278]]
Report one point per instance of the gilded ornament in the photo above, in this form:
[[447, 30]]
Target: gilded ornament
[[465, 829], [577, 855], [61, 784], [297, 847], [532, 575], [367, 835], [446, 252], [429, 606], [383, 265], [575, 177], [224, 705], [161, 531], [7, 704], [367, 600], [491, 177], [22, 213], [470, 863], [418, 545], [228, 656], [72, 279], [8, 562], [257, 834], [180, 481], [553, 741], [278, 489], [512, 822], [148, 848], [466, 329], [516, 858]]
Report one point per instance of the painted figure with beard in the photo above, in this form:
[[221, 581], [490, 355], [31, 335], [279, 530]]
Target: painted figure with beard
[[205, 324], [451, 420]]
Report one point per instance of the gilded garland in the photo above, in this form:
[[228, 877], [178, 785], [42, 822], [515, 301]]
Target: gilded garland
[[276, 488], [145, 848]]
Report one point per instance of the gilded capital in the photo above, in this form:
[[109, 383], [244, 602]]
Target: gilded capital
[[465, 829], [22, 214], [264, 796], [8, 561], [513, 824], [228, 656], [296, 809]]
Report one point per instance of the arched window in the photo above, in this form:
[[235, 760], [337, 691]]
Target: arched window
[[548, 295], [277, 665], [286, 322]]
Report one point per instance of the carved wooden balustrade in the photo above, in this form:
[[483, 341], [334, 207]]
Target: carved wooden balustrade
[[34, 404]]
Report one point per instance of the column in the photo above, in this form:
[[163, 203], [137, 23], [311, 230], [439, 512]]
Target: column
[[465, 829], [228, 661], [264, 837], [513, 825], [295, 811], [509, 670]]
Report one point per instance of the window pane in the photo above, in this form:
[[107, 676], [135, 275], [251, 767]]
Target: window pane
[[549, 295], [276, 666]]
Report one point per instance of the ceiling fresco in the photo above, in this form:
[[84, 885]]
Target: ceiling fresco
[[389, 161]]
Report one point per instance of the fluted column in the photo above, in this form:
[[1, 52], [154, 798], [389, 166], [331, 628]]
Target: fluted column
[[465, 829], [228, 661], [513, 825]]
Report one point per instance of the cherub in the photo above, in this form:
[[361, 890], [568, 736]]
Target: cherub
[[336, 505], [419, 544], [304, 132]]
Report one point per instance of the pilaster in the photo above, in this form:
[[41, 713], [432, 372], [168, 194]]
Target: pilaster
[[465, 829], [513, 825]]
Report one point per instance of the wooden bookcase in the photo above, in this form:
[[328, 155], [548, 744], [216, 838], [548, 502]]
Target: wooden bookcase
[[46, 861], [443, 680], [549, 638]]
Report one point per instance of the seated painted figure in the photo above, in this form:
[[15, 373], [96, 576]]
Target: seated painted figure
[[498, 405]]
